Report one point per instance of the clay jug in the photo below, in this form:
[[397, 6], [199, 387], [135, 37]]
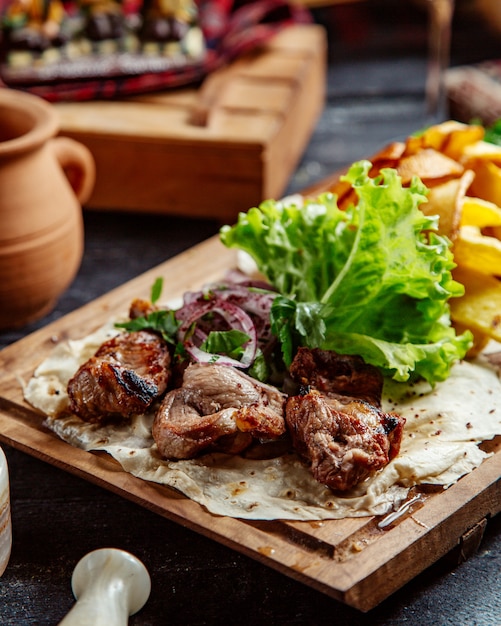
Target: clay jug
[[44, 180]]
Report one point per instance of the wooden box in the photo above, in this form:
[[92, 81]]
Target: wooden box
[[261, 110]]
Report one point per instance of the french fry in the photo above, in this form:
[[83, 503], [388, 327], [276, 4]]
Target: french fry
[[480, 307]]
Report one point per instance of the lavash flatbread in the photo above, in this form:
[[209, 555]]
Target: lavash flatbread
[[440, 444]]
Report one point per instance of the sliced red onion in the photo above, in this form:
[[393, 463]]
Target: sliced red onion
[[234, 316]]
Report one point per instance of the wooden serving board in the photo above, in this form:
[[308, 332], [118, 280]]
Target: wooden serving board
[[152, 156], [351, 560]]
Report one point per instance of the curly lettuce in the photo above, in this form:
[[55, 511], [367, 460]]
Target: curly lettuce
[[372, 280]]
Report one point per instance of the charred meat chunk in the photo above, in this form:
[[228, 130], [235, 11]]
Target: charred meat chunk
[[337, 374], [345, 442], [217, 408], [124, 377]]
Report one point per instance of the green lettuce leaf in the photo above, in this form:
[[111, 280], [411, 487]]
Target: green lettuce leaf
[[373, 280]]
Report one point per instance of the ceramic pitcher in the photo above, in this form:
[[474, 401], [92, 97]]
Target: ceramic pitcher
[[44, 180]]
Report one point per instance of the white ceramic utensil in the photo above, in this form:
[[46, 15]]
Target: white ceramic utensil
[[5, 519], [109, 585]]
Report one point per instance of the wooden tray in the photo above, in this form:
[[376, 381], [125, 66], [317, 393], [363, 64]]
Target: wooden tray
[[351, 560], [260, 113]]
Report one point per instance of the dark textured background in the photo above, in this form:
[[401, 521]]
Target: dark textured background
[[377, 64]]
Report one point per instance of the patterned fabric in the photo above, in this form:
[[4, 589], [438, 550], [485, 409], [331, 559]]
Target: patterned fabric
[[230, 28]]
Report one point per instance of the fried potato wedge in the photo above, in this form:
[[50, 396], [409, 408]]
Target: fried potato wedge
[[459, 138], [487, 181], [480, 308], [388, 155], [344, 192], [478, 252], [482, 150], [431, 166], [447, 201], [450, 138], [481, 213]]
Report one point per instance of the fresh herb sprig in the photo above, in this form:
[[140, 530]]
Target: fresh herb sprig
[[162, 321]]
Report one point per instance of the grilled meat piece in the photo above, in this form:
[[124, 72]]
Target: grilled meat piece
[[345, 442], [124, 377], [337, 374], [217, 408], [141, 308], [336, 423]]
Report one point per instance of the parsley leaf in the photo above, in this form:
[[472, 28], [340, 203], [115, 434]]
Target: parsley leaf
[[163, 322]]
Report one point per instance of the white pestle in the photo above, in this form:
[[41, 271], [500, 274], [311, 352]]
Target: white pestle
[[109, 585]]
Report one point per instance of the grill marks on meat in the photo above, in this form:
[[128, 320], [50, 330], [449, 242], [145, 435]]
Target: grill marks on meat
[[345, 439], [335, 421], [217, 408], [124, 377]]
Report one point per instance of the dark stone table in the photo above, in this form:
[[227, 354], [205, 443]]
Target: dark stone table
[[377, 64]]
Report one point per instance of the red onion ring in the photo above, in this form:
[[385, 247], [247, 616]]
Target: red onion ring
[[235, 317]]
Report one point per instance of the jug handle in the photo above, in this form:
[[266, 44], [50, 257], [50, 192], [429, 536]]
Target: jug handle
[[78, 165]]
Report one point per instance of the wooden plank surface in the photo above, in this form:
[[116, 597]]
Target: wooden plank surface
[[352, 560], [261, 111]]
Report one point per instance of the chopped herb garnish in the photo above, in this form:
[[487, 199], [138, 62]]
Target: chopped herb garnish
[[163, 322]]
